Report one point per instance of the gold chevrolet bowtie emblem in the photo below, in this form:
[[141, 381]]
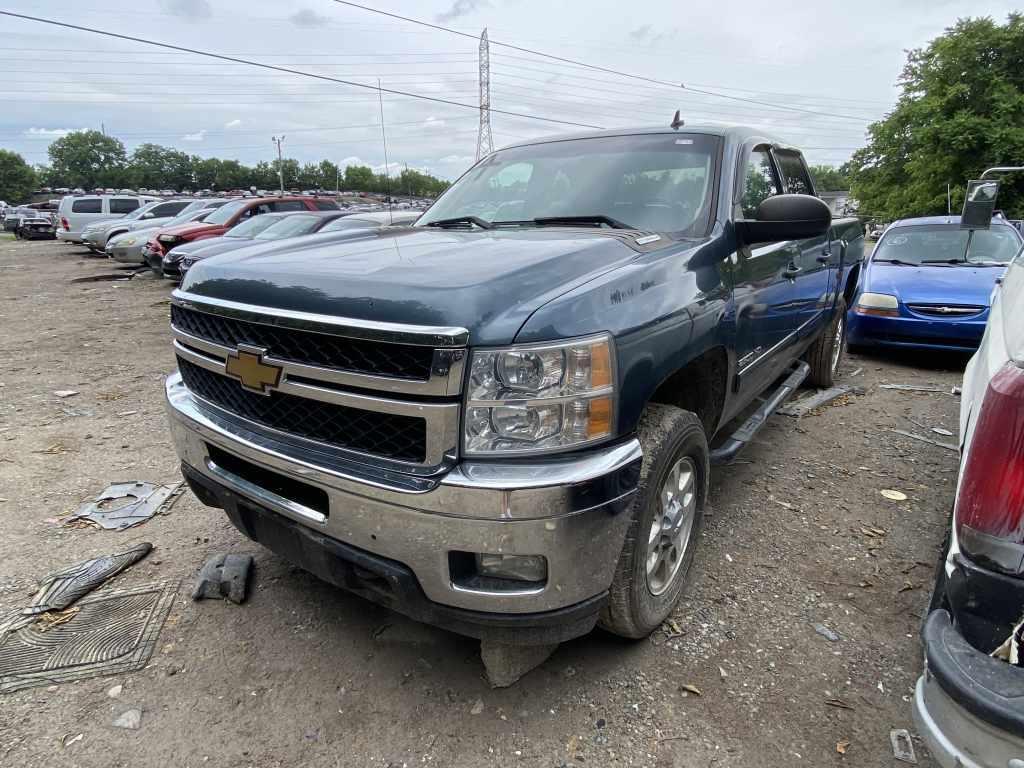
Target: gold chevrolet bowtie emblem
[[246, 364]]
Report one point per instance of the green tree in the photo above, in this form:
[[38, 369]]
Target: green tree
[[88, 159], [17, 178], [154, 166], [828, 178], [961, 111], [330, 175], [358, 178]]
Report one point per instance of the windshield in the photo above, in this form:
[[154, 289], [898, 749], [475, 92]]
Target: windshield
[[658, 182], [947, 244], [141, 210], [290, 226], [223, 214], [249, 228]]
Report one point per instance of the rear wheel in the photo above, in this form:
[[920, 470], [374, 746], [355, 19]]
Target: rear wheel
[[667, 515], [825, 354]]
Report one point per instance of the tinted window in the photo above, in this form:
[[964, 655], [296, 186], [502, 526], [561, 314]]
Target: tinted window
[[249, 228], [168, 209], [288, 205], [654, 182], [798, 182], [326, 205], [90, 205], [759, 184], [289, 226], [123, 205], [225, 213]]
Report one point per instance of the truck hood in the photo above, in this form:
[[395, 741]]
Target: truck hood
[[934, 284], [487, 282]]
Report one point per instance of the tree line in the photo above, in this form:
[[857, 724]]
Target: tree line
[[91, 159]]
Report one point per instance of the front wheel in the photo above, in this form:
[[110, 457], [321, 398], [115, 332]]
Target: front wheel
[[825, 354], [667, 516]]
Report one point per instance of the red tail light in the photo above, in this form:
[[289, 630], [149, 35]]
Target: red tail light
[[990, 504], [65, 224]]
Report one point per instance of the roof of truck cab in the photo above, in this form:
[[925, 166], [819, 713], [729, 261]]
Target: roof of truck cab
[[737, 133], [953, 219]]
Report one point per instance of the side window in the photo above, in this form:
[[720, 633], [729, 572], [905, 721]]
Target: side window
[[760, 182], [287, 205], [798, 182], [123, 204], [168, 209], [326, 205], [88, 205]]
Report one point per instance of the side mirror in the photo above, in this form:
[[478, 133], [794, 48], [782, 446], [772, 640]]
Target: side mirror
[[980, 204], [147, 215], [786, 217]]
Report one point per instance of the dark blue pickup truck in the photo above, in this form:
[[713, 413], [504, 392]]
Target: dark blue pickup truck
[[501, 419]]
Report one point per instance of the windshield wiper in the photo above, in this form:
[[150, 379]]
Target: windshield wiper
[[898, 262], [943, 261], [598, 219], [456, 221]]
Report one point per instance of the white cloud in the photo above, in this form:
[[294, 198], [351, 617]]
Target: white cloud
[[433, 123], [308, 18], [193, 10], [457, 159], [54, 132], [352, 160], [197, 136], [460, 8], [233, 123]]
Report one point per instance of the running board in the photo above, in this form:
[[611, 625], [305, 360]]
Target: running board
[[727, 451]]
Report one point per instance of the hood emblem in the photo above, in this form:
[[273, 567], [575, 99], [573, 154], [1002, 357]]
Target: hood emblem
[[246, 364]]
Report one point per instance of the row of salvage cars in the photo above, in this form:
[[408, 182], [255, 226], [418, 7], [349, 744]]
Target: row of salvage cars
[[957, 283]]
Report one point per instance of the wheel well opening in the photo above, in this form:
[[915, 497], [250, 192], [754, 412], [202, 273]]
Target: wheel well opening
[[698, 387]]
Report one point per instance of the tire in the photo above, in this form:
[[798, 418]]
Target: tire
[[823, 355], [640, 600]]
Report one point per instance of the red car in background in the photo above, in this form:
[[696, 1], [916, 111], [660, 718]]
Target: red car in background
[[225, 217]]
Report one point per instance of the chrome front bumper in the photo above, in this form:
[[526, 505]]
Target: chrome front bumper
[[573, 511]]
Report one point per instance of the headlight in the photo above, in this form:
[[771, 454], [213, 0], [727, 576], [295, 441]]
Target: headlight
[[881, 304], [540, 397]]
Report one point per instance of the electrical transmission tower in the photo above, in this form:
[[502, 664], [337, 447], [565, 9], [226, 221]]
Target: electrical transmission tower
[[484, 142]]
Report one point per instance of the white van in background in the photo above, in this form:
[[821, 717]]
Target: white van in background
[[75, 212]]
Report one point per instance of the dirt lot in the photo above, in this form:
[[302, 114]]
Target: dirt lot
[[304, 674]]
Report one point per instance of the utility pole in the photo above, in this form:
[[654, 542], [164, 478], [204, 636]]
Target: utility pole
[[408, 181], [337, 178], [949, 201], [280, 163]]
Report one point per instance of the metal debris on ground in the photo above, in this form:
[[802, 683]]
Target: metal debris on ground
[[893, 495], [942, 431], [114, 631], [224, 577], [62, 393], [60, 589], [940, 444], [123, 505], [912, 388], [829, 634], [902, 746], [1010, 650], [805, 405], [837, 703]]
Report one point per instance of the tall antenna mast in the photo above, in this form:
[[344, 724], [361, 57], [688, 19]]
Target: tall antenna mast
[[484, 143], [384, 139]]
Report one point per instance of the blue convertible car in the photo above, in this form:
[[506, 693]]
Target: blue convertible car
[[928, 282]]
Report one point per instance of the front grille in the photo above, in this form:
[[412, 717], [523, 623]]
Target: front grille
[[946, 310], [382, 434], [405, 361]]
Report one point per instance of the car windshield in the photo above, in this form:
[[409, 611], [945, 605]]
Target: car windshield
[[947, 244], [656, 182], [289, 226], [249, 228], [223, 215]]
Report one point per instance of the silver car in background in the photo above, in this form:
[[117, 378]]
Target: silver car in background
[[128, 247], [95, 235]]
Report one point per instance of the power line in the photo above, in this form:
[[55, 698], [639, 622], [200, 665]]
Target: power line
[[275, 67], [587, 65]]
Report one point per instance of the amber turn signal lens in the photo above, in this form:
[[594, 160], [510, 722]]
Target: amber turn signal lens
[[600, 366], [600, 422]]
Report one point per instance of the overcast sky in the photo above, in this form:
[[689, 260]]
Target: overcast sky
[[840, 60]]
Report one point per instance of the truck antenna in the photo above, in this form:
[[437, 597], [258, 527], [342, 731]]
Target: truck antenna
[[677, 122], [384, 138]]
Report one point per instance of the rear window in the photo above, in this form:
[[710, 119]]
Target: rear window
[[281, 206], [93, 205], [123, 204]]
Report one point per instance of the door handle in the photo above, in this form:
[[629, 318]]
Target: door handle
[[792, 271], [824, 257]]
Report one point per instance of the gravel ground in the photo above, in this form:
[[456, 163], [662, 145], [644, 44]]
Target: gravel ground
[[798, 535]]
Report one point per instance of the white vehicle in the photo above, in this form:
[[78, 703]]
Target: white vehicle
[[77, 212], [969, 706]]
